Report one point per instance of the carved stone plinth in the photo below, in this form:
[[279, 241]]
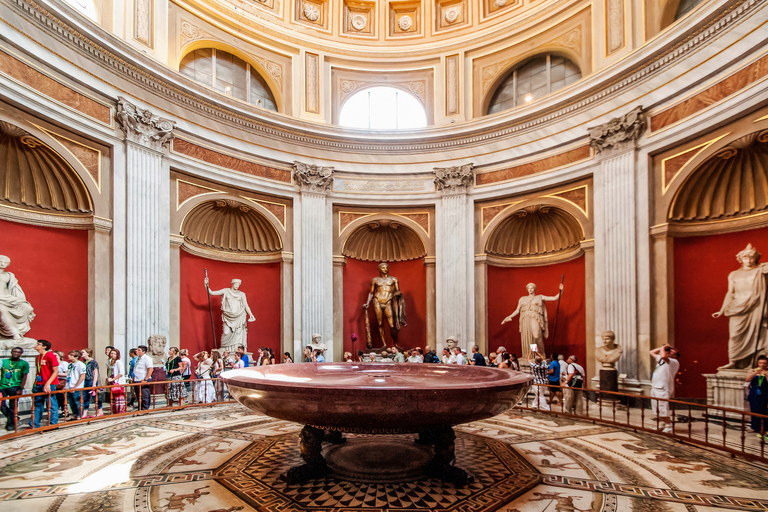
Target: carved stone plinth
[[609, 379], [726, 389]]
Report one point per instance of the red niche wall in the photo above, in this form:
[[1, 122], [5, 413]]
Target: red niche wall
[[412, 276], [702, 265], [261, 283], [52, 268], [505, 287]]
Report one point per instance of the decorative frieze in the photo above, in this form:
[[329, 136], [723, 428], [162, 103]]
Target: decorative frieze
[[452, 85], [142, 126], [619, 132], [454, 180], [312, 178], [311, 83]]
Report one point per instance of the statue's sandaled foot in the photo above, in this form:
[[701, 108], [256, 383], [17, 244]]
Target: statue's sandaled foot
[[303, 473], [729, 366]]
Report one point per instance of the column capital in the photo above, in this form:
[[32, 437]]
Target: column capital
[[620, 133], [313, 178], [454, 180], [142, 126]]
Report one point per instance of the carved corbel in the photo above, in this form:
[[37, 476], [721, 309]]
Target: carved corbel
[[454, 180], [618, 132], [312, 178]]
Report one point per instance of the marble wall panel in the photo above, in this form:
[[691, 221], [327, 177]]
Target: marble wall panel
[[708, 97], [537, 166], [88, 156], [186, 191], [49, 87], [184, 147]]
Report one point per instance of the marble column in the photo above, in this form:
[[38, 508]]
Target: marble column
[[147, 208], [429, 262], [286, 310], [454, 277], [481, 302], [100, 285], [616, 286], [315, 265], [174, 338]]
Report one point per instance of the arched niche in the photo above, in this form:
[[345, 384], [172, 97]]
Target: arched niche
[[274, 87], [229, 238], [384, 240]]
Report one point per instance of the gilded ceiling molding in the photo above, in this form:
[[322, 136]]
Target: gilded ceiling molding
[[454, 180], [36, 177], [619, 132], [142, 126], [384, 240], [312, 178], [731, 183], [230, 226], [533, 231]]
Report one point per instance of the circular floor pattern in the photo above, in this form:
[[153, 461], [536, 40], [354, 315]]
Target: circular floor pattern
[[226, 459]]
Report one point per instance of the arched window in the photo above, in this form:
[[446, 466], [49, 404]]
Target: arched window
[[86, 7], [684, 7], [383, 108], [533, 79], [228, 74]]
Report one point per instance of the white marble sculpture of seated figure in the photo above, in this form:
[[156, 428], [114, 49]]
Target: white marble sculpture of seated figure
[[15, 312]]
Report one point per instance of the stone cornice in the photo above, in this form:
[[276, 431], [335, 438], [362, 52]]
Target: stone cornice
[[111, 52]]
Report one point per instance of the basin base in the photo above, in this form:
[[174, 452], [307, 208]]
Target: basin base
[[374, 460]]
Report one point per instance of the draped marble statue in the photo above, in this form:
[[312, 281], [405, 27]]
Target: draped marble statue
[[745, 306], [234, 307], [534, 326], [15, 312]]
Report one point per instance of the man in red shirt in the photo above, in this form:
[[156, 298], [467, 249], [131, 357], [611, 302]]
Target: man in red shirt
[[47, 378]]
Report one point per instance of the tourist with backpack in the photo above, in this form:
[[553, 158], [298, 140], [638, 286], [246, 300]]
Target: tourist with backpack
[[574, 385]]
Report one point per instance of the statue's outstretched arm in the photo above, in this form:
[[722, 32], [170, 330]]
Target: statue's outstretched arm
[[216, 292], [251, 318], [554, 297], [370, 294], [727, 299], [513, 315]]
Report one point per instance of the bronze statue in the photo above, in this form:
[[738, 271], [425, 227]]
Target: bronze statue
[[389, 302]]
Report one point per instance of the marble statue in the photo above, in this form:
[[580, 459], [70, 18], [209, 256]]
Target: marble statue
[[389, 303], [533, 319], [745, 306], [609, 352], [451, 343], [156, 344], [317, 342], [15, 312], [234, 307]]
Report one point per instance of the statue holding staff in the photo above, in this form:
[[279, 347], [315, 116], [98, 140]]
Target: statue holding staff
[[533, 318], [745, 305], [388, 303], [234, 307], [15, 312]]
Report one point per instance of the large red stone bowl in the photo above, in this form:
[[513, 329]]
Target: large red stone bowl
[[377, 398]]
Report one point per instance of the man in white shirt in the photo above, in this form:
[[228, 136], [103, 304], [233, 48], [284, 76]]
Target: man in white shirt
[[142, 373], [574, 396], [456, 357], [75, 380], [663, 383], [563, 369]]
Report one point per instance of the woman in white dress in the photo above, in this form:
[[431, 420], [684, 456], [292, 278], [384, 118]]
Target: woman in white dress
[[204, 390]]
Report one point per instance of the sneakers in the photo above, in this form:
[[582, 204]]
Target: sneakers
[[667, 430]]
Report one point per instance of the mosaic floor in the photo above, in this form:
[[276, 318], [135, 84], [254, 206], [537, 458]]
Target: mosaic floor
[[226, 459]]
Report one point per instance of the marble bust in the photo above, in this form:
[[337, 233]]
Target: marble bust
[[451, 343], [317, 342], [608, 353], [15, 312], [156, 344]]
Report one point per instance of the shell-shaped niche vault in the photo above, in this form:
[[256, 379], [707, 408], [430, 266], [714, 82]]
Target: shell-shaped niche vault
[[232, 226], [535, 230], [731, 183], [384, 240], [33, 176]]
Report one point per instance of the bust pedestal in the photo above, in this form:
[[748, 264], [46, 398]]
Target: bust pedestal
[[726, 388], [609, 379]]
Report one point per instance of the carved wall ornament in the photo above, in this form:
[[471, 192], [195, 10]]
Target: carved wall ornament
[[451, 15], [311, 86], [384, 240], [142, 126], [454, 179], [36, 177], [142, 30], [405, 23], [535, 230], [232, 226], [311, 12], [618, 131], [737, 174], [312, 178], [274, 69], [358, 22], [419, 88], [189, 33], [499, 3], [452, 85]]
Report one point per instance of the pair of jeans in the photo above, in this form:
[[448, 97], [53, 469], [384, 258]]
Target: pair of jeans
[[87, 396], [40, 403], [8, 407], [73, 397]]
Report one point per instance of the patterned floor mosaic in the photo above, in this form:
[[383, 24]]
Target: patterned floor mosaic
[[226, 459]]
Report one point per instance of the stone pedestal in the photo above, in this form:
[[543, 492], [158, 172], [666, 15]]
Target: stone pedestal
[[726, 389], [609, 379]]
